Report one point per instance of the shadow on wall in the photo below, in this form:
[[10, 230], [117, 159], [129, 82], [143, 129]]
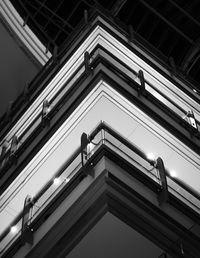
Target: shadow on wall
[[16, 69], [112, 238]]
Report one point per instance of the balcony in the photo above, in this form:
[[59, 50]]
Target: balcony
[[107, 152]]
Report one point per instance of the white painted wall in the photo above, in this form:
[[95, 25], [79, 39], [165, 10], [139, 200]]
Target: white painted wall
[[16, 68]]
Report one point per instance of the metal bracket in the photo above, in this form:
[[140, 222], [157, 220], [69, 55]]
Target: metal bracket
[[45, 112], [84, 143], [163, 194], [13, 148], [191, 119], [3, 156], [141, 89], [84, 155], [88, 67], [14, 145], [27, 231]]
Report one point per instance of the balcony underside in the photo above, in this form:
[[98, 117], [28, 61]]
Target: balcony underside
[[117, 188]]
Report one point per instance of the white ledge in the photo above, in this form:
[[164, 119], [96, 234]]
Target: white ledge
[[23, 32]]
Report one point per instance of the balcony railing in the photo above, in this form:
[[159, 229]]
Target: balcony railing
[[123, 69], [102, 137]]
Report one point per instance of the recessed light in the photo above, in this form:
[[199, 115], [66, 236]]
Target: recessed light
[[173, 173], [90, 147], [67, 179], [56, 181], [150, 156], [13, 229]]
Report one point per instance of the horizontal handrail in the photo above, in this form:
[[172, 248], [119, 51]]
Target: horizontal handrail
[[102, 126], [38, 119]]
